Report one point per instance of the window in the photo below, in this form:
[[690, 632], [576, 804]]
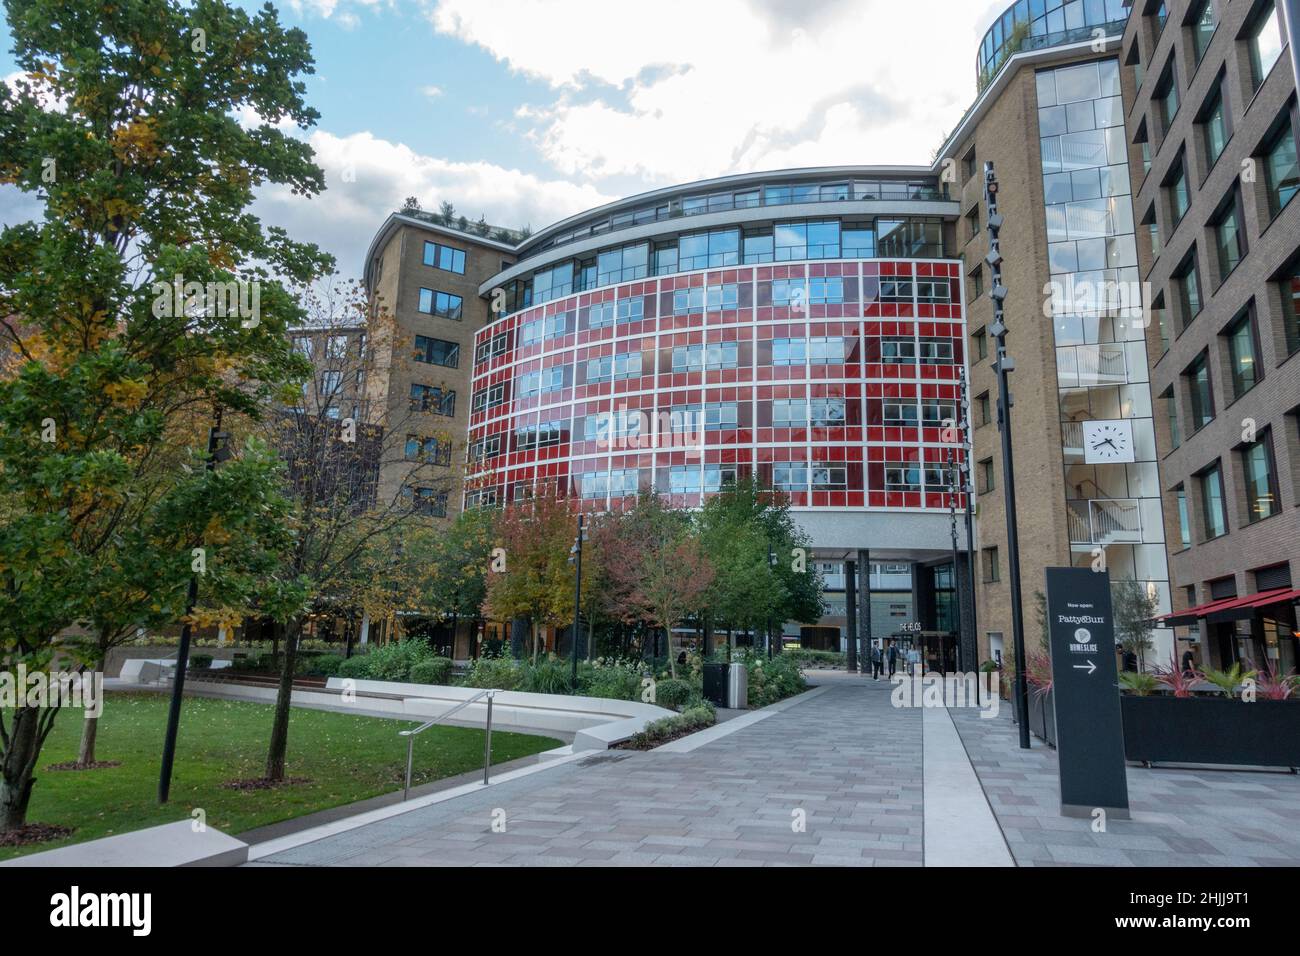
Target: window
[[489, 397], [1203, 26], [706, 250], [985, 476], [857, 241], [830, 291], [1214, 126], [330, 382], [630, 310], [1281, 169], [1261, 479], [426, 501], [899, 413], [989, 564], [490, 349], [553, 283], [614, 368], [665, 259], [1229, 236], [1171, 415], [1153, 232], [1166, 97], [759, 246], [1243, 354], [1264, 37], [789, 351], [830, 477], [685, 480], [789, 413], [716, 477], [937, 413], [976, 284], [903, 478], [1161, 16], [973, 223], [1187, 286], [826, 350], [898, 351], [715, 416], [701, 358], [623, 265], [544, 435], [444, 257], [936, 352], [544, 382], [807, 240], [983, 409], [1176, 189], [442, 304], [1184, 523], [1200, 391], [790, 476], [480, 451], [1290, 289], [981, 338], [429, 398], [1216, 522], [430, 450], [826, 412], [436, 352]]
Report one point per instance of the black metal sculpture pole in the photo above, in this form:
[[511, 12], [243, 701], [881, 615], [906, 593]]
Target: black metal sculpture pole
[[1005, 366]]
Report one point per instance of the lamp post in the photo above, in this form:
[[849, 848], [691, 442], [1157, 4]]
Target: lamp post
[[575, 556], [1005, 366], [968, 472], [215, 453], [771, 564]]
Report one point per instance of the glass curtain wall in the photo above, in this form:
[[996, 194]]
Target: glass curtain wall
[[1114, 508]]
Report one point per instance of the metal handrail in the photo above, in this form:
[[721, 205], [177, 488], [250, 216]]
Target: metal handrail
[[410, 736]]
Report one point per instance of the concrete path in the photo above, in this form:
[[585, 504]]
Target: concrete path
[[835, 777]]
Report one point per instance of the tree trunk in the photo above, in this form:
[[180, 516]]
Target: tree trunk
[[280, 725], [672, 659], [86, 751], [20, 756], [591, 640]]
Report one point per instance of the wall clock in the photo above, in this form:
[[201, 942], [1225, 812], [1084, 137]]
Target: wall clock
[[1108, 442]]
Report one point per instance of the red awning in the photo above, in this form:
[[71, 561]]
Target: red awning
[[1228, 609], [1192, 614]]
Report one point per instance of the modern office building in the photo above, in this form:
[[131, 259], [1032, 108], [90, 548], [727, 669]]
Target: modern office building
[[1050, 118], [805, 327], [1214, 121]]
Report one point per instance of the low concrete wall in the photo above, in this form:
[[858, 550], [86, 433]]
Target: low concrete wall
[[596, 723]]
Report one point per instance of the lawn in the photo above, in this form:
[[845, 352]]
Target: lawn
[[344, 757]]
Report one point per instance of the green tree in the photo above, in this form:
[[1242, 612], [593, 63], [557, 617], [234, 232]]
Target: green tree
[[124, 128], [1134, 606]]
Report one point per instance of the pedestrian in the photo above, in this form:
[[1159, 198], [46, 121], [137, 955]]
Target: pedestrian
[[875, 662], [1189, 663], [893, 660]]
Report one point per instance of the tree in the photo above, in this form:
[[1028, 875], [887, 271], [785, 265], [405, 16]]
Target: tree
[[537, 582], [447, 213], [1134, 606], [456, 567], [411, 206], [361, 490], [145, 294], [661, 567]]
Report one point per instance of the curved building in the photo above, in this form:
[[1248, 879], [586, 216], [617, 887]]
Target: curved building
[[1037, 24], [805, 327]]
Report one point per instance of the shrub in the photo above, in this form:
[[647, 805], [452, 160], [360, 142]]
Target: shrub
[[320, 665], [431, 670], [502, 673], [610, 680], [673, 693], [393, 661], [668, 728], [251, 662], [772, 680], [550, 675], [811, 658], [1143, 685], [356, 668], [200, 662]]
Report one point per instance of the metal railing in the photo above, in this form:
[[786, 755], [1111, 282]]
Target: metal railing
[[410, 736]]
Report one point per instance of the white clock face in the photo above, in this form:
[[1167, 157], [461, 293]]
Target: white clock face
[[1108, 442]]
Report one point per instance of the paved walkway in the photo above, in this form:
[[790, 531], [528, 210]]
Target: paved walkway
[[1180, 817], [837, 777]]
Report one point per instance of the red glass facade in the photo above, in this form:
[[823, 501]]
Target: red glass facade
[[830, 379]]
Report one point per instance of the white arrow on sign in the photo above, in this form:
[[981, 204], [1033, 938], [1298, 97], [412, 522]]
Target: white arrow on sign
[[1089, 667]]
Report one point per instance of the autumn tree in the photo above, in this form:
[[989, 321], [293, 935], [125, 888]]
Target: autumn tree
[[145, 292]]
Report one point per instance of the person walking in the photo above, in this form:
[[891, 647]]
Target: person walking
[[893, 660], [875, 662]]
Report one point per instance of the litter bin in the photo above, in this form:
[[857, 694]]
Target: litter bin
[[715, 684], [738, 687]]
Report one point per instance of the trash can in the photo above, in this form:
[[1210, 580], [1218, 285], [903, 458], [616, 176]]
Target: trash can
[[715, 684], [738, 687]]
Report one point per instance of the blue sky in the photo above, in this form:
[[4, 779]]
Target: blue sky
[[527, 111]]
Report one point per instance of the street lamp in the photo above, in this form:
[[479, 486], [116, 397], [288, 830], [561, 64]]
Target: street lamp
[[1004, 366], [956, 569], [217, 451], [575, 558], [968, 445]]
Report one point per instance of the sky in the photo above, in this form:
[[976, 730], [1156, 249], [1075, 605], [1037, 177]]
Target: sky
[[528, 111]]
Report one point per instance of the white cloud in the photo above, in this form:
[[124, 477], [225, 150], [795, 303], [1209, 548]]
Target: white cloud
[[432, 92], [692, 90], [367, 178]]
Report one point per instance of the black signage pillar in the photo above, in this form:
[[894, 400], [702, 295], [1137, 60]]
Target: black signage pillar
[[1085, 693], [851, 617]]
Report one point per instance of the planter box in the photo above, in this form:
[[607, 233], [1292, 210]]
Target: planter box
[[1042, 716], [1211, 730]]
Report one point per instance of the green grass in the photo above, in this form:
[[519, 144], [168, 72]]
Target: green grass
[[346, 758]]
